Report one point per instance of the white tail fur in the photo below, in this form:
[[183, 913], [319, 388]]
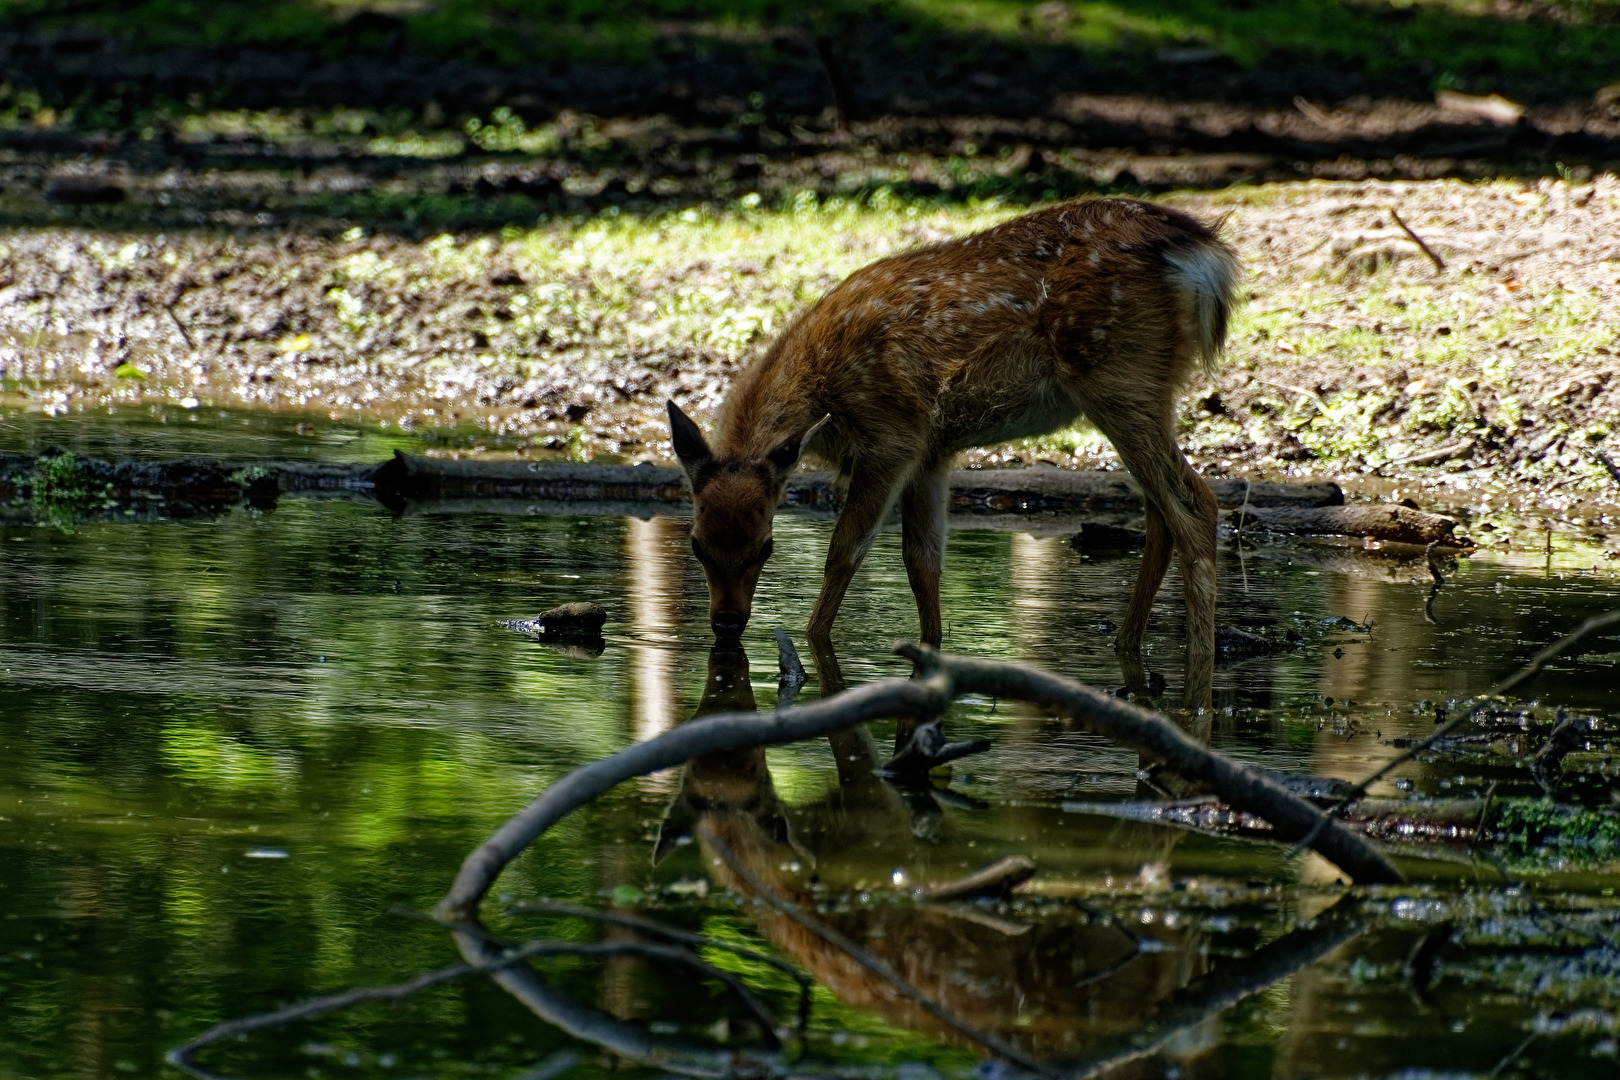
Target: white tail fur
[[1210, 272]]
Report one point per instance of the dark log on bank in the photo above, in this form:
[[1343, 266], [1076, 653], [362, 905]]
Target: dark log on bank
[[1043, 498], [55, 482], [988, 491], [1384, 523], [408, 477]]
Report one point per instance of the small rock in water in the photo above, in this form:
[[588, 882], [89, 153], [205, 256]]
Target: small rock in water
[[580, 619], [570, 629]]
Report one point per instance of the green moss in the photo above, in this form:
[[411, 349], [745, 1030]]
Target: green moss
[[1540, 829], [60, 489]]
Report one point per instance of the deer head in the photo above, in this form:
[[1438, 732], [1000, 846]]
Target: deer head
[[734, 500]]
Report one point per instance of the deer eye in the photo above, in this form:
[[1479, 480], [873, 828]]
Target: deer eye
[[766, 549]]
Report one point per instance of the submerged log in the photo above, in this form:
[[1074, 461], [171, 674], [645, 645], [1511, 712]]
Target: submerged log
[[91, 487], [1432, 821], [573, 629], [1384, 523], [996, 880]]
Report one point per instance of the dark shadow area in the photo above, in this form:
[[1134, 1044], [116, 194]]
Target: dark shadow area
[[476, 115]]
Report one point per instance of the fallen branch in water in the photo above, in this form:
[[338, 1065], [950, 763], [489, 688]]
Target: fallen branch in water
[[997, 879], [942, 678], [1157, 737], [939, 680], [722, 731]]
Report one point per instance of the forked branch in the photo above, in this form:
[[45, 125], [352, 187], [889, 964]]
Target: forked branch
[[941, 679]]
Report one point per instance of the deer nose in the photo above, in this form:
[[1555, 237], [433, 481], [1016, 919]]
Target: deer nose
[[728, 624]]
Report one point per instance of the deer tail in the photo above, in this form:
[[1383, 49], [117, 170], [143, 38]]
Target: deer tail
[[1207, 270]]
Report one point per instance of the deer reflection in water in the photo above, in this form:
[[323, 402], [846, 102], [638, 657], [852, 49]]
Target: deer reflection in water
[[1049, 986]]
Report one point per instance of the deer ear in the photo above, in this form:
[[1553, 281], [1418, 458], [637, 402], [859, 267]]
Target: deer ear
[[690, 446], [789, 450]]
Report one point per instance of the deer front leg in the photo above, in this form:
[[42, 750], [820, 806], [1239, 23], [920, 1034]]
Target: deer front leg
[[922, 524], [871, 493]]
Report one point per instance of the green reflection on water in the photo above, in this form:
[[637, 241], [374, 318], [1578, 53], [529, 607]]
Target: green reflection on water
[[183, 703]]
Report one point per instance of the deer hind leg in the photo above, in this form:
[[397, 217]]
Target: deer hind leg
[[1186, 510], [1156, 552], [922, 523], [871, 492]]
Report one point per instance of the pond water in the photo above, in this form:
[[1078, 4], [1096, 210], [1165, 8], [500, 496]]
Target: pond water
[[232, 750]]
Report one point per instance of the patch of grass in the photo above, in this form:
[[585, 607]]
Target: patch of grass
[[701, 281]]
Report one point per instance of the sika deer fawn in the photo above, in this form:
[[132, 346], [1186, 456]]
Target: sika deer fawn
[[1101, 307]]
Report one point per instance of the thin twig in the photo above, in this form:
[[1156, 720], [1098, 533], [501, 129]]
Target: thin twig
[[1439, 263], [180, 326], [1514, 1054], [871, 963], [1484, 815], [1436, 571], [180, 1056], [649, 926], [1312, 394], [1243, 517]]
